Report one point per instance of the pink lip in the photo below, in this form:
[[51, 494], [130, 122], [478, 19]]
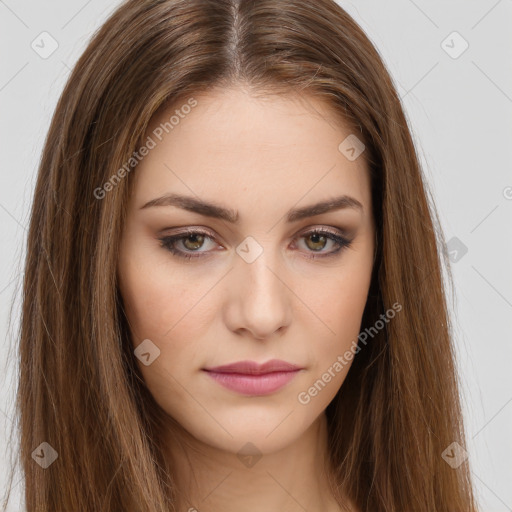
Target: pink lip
[[251, 378]]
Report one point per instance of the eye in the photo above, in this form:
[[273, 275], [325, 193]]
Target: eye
[[193, 240], [317, 239]]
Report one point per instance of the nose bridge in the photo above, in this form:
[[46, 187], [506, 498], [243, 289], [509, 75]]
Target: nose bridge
[[263, 299]]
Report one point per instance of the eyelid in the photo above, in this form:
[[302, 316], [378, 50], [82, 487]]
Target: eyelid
[[327, 229], [192, 230]]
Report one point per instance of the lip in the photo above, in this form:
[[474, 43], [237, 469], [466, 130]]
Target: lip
[[254, 379]]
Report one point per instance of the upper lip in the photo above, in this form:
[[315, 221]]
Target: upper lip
[[253, 368]]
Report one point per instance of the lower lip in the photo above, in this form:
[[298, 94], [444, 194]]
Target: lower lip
[[253, 385]]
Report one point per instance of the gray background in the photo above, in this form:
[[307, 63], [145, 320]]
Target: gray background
[[459, 106]]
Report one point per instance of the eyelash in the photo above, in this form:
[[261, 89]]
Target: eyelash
[[168, 242]]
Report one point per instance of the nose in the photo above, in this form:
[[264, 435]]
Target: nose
[[259, 297]]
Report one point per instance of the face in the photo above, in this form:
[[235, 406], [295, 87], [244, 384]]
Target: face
[[223, 261]]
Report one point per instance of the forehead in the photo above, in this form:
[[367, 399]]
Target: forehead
[[232, 143], [238, 118]]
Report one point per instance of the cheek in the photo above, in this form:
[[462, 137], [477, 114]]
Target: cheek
[[172, 308], [164, 307], [161, 303], [340, 306], [342, 297]]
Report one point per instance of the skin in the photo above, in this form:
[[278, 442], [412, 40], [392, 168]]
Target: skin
[[260, 157]]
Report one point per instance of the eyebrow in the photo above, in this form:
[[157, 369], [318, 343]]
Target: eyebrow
[[209, 209]]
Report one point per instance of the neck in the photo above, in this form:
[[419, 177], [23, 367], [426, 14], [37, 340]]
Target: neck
[[292, 479]]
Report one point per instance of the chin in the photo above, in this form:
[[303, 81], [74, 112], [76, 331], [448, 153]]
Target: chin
[[231, 432]]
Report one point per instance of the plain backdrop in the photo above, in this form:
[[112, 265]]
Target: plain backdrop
[[451, 62]]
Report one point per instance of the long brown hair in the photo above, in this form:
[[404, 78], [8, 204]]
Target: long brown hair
[[79, 387]]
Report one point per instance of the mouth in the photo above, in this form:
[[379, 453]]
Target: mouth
[[253, 379]]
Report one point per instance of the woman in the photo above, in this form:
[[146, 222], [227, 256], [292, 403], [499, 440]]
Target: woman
[[233, 297]]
